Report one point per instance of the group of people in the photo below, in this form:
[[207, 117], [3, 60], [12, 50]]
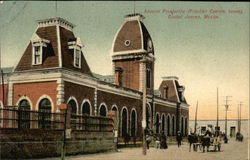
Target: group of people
[[161, 139]]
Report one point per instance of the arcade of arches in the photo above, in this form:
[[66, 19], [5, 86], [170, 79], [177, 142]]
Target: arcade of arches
[[126, 121]]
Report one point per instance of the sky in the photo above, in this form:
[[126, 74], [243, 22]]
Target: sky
[[205, 53]]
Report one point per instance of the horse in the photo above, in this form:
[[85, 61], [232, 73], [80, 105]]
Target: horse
[[205, 142], [192, 138]]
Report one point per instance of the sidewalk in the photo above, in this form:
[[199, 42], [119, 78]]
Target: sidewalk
[[231, 151]]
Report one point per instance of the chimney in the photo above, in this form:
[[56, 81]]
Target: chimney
[[118, 76]]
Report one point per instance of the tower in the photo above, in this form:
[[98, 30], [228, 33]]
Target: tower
[[133, 45]]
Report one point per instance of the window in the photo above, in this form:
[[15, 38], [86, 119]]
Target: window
[[165, 92], [77, 58], [37, 55], [38, 46], [103, 111], [76, 45], [24, 114], [86, 108], [44, 114], [148, 78]]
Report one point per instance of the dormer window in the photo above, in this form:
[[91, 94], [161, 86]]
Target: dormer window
[[77, 58], [77, 46], [37, 55], [38, 46]]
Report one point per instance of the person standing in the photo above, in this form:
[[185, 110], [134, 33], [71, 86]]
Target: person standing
[[148, 140], [179, 138], [163, 141]]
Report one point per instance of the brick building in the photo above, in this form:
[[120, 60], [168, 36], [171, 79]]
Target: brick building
[[53, 71]]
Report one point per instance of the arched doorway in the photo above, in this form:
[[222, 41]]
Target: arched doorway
[[133, 123], [44, 115], [168, 125], [173, 126], [157, 118], [163, 124], [86, 108], [124, 122], [103, 111], [24, 114]]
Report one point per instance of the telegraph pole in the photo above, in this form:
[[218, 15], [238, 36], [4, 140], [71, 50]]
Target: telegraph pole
[[239, 127], [144, 150], [217, 122], [195, 123], [226, 107]]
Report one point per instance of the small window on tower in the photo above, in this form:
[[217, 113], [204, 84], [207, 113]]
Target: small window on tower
[[77, 58]]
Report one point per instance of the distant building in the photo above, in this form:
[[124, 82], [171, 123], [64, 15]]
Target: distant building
[[232, 126], [53, 71]]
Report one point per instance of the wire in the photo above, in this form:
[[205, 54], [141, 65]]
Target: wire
[[15, 17]]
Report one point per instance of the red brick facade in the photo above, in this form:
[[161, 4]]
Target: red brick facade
[[35, 91], [59, 84]]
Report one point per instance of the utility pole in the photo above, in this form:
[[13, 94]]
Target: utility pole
[[144, 150], [217, 122], [195, 122], [3, 97], [239, 126], [226, 107]]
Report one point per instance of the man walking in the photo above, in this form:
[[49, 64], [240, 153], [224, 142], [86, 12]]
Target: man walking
[[179, 138]]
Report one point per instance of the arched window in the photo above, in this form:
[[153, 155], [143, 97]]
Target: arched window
[[173, 126], [124, 122], [168, 124], [44, 113], [157, 122], [24, 114], [116, 121], [86, 108], [148, 116], [163, 123], [73, 105], [133, 123], [103, 111]]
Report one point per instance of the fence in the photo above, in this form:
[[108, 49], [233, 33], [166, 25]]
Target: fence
[[26, 119]]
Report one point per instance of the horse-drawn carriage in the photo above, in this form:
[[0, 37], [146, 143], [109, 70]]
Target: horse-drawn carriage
[[204, 141]]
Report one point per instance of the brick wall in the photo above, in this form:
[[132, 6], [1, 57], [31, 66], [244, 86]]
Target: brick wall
[[38, 143], [80, 92], [34, 91], [130, 74]]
